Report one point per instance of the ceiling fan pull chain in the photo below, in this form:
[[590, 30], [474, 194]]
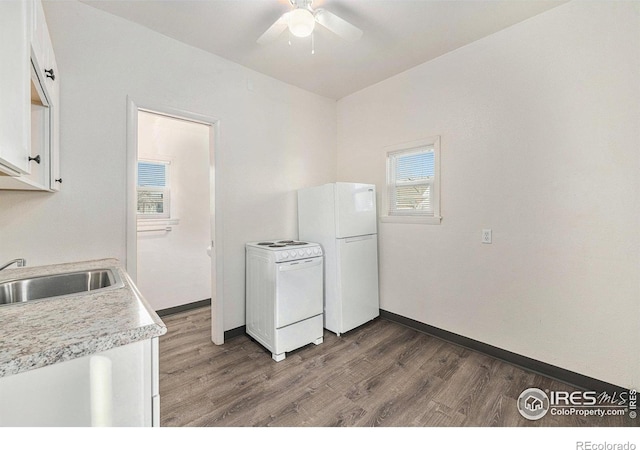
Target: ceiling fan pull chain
[[313, 46]]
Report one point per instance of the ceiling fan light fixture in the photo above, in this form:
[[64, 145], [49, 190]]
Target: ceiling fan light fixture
[[301, 22]]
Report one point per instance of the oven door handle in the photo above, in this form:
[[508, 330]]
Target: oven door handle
[[302, 264]]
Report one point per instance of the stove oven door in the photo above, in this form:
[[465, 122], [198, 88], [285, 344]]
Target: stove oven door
[[299, 287]]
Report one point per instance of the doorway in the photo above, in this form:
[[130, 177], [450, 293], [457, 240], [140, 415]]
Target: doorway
[[172, 222]]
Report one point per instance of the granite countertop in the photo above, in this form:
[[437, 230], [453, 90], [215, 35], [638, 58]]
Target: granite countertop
[[43, 332]]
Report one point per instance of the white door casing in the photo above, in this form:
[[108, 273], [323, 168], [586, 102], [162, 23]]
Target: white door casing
[[215, 179]]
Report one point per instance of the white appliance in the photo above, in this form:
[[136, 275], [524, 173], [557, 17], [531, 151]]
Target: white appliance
[[284, 294], [341, 217]]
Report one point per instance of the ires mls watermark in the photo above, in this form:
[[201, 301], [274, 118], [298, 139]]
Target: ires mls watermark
[[534, 403]]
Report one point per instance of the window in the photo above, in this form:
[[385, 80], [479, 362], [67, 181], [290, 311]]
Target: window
[[154, 194], [413, 182]]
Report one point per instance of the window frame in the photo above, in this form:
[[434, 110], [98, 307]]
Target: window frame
[[407, 148], [166, 190]]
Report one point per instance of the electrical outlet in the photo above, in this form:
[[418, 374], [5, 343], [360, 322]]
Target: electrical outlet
[[486, 236]]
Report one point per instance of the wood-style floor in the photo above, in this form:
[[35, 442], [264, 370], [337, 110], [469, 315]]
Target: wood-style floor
[[381, 374]]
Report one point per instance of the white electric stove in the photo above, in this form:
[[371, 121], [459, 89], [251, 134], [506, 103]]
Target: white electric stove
[[284, 294]]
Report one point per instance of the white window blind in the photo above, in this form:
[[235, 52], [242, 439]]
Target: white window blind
[[152, 174], [153, 190], [410, 182]]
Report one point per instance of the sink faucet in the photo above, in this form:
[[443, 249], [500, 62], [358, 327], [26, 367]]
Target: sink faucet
[[20, 262]]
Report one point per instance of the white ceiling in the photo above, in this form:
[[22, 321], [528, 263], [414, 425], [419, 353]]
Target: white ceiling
[[398, 34]]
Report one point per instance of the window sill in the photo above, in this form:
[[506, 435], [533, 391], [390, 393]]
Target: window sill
[[410, 219], [143, 223]]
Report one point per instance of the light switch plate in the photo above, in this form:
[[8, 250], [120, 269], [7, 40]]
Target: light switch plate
[[486, 236]]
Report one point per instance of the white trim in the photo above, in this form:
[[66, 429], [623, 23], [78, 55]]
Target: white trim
[[133, 106], [426, 142], [163, 160], [390, 150], [155, 222], [427, 220]]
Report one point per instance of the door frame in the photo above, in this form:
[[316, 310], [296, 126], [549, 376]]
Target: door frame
[[215, 180]]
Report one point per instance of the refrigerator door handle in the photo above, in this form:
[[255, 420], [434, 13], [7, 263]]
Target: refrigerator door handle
[[359, 238]]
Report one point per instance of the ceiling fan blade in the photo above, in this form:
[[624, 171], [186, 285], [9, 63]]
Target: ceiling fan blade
[[339, 26], [274, 30]]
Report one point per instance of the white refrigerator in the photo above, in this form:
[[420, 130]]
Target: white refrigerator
[[342, 218]]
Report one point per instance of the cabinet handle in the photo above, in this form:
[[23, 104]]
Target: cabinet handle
[[36, 159], [50, 74], [59, 180]]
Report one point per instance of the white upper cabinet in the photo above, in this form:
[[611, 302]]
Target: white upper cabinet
[[29, 117], [44, 63], [14, 87]]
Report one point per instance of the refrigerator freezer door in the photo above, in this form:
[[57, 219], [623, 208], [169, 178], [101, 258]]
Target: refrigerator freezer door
[[357, 280], [355, 209]]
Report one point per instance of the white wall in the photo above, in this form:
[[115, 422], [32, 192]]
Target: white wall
[[540, 142], [539, 127], [173, 267], [273, 140]]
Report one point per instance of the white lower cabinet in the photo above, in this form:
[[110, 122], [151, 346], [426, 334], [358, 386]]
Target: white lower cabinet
[[117, 387]]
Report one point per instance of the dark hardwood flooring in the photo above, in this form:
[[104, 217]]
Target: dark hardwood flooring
[[381, 374]]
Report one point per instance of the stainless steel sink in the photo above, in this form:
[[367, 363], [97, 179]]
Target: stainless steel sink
[[50, 286]]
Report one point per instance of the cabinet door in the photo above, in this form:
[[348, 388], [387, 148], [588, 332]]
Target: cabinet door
[[111, 388], [53, 88], [38, 30], [40, 125], [39, 163], [15, 92]]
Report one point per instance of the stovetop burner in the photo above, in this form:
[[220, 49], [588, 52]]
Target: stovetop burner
[[281, 243], [285, 250]]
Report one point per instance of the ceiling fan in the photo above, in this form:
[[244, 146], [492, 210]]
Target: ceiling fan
[[301, 21]]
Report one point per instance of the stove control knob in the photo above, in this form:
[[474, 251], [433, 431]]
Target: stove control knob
[[316, 251], [308, 251], [301, 252], [283, 255]]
